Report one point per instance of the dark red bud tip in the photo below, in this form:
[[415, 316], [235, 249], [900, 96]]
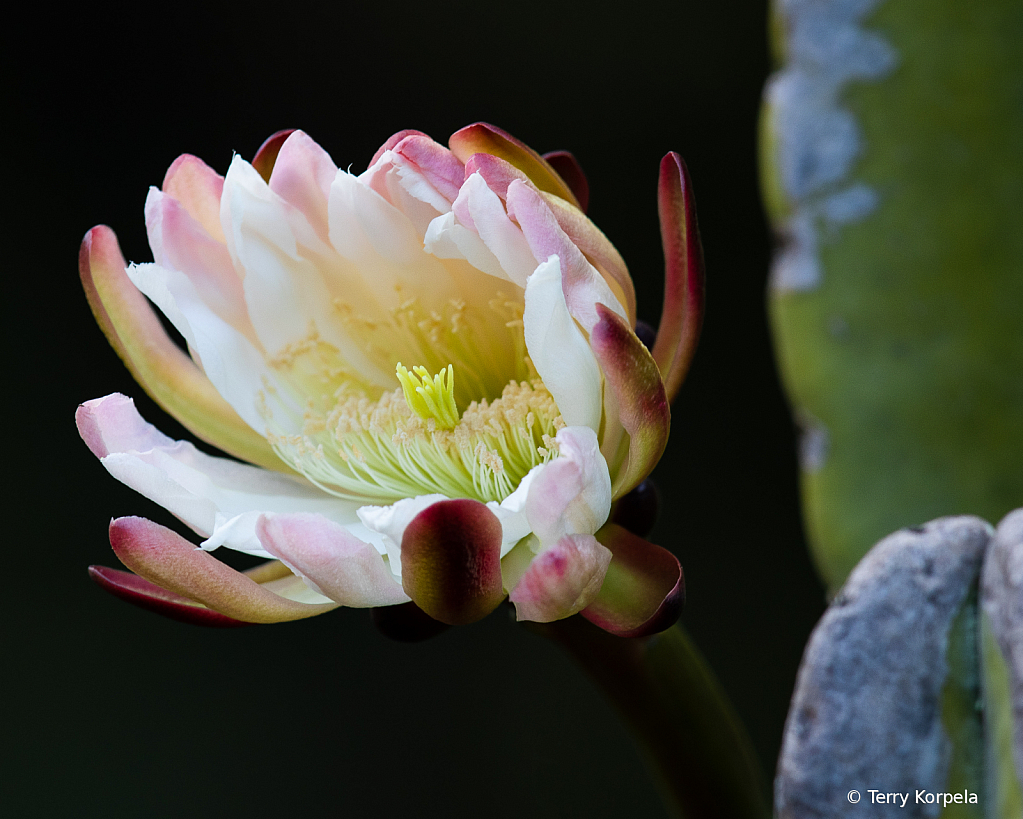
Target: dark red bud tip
[[406, 623], [569, 169], [637, 510], [140, 592], [266, 156]]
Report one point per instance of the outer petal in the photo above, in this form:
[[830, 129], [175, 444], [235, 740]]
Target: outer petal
[[559, 350], [198, 188], [598, 249], [302, 175], [155, 361], [572, 494], [146, 595], [644, 589], [167, 559], [562, 580], [482, 138], [334, 561], [451, 561], [644, 412], [571, 172], [583, 284], [390, 522], [682, 314], [215, 496]]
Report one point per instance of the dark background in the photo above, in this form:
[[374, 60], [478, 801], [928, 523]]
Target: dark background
[[112, 711]]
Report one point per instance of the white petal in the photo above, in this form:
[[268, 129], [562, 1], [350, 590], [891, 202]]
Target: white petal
[[559, 350], [511, 512], [217, 497], [572, 494], [234, 366], [501, 236], [390, 522]]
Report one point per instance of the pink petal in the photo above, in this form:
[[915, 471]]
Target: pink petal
[[562, 580], [451, 561], [198, 188], [392, 141], [140, 592], [302, 176], [437, 164], [632, 376], [569, 169], [482, 138], [340, 565], [584, 286], [165, 372], [266, 156], [165, 558], [598, 250], [644, 589], [180, 243], [496, 172], [682, 314], [570, 495]]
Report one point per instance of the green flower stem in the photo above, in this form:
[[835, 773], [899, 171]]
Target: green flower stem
[[688, 731]]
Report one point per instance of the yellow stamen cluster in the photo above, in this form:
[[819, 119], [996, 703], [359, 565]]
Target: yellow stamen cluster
[[386, 449], [430, 398]]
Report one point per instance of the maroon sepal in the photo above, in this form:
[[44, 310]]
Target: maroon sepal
[[682, 313], [451, 561], [140, 592], [644, 590], [266, 156], [569, 169], [406, 623]]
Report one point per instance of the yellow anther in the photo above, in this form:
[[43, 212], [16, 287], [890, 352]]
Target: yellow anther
[[430, 396]]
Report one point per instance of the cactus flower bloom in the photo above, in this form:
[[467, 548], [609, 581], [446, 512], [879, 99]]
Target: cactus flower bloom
[[430, 371]]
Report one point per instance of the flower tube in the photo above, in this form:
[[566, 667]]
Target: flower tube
[[430, 370]]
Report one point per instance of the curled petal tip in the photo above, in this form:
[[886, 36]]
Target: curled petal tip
[[451, 561], [682, 313], [644, 590], [140, 592]]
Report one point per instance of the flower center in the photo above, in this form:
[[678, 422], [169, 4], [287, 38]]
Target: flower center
[[473, 439]]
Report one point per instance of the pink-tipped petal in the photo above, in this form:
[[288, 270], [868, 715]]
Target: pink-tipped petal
[[598, 250], [140, 592], [561, 580], [568, 168], [682, 314], [438, 166], [392, 141], [583, 284], [266, 156], [162, 369], [198, 188], [165, 558], [451, 561], [302, 176], [482, 138], [644, 589], [340, 565], [496, 172], [632, 376], [570, 495]]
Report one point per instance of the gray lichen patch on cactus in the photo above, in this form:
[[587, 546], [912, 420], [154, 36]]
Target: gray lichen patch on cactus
[[1002, 602], [814, 139], [871, 703]]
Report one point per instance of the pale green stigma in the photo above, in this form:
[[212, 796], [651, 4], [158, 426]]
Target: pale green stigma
[[430, 396]]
